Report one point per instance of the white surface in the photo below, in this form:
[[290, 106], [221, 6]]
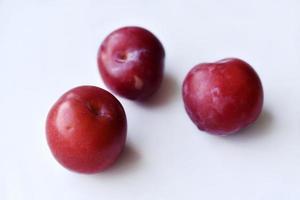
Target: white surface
[[48, 47]]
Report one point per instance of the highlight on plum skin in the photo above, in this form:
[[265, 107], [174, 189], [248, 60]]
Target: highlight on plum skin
[[131, 62], [223, 97], [86, 129]]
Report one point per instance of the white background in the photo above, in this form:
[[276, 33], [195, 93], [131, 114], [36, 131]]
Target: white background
[[48, 47]]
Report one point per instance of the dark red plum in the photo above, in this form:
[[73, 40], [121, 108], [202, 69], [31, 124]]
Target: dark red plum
[[131, 62]]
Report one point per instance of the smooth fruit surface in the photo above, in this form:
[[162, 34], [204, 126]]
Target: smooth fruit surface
[[131, 62], [223, 97], [86, 129]]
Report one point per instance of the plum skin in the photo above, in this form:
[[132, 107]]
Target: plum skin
[[86, 129], [223, 97], [131, 62]]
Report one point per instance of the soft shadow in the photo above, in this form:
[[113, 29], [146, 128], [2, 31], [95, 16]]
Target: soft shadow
[[167, 92], [127, 161], [260, 128]]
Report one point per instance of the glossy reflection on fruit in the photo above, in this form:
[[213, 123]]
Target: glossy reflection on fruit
[[86, 129], [131, 62], [223, 97]]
